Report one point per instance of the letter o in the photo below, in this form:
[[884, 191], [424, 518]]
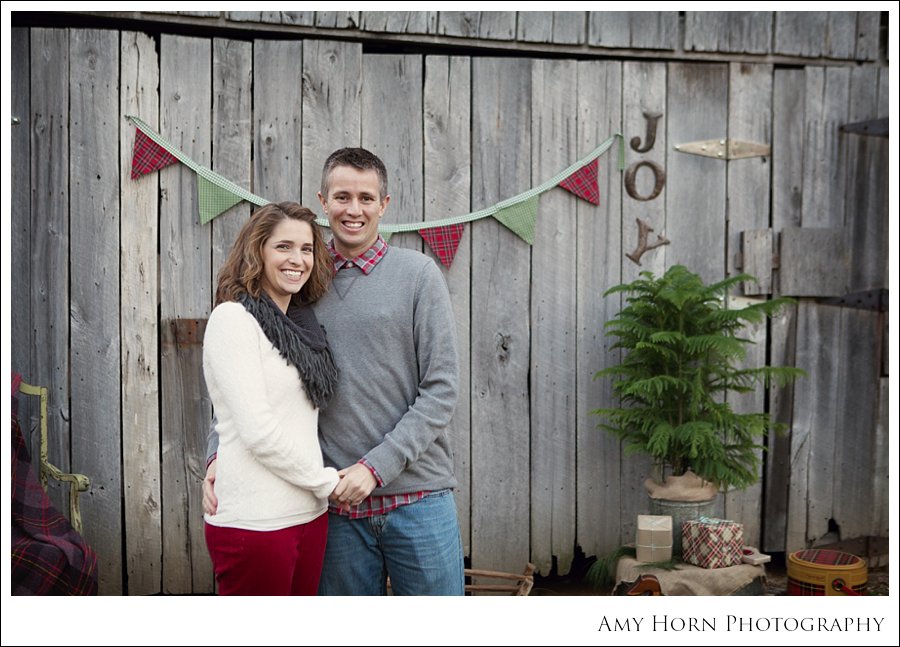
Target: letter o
[[658, 173]]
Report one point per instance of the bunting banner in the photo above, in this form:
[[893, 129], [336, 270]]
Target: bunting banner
[[216, 194]]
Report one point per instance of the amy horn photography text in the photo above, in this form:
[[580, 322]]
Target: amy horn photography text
[[741, 623]]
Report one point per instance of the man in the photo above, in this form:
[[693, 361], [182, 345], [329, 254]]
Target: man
[[391, 330]]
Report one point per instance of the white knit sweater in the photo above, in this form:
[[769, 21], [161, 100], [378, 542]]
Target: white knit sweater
[[269, 471]]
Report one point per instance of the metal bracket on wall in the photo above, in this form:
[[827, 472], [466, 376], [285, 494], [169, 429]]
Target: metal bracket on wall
[[727, 149], [868, 300], [871, 128]]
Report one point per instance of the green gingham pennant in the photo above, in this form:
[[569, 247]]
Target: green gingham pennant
[[520, 218], [213, 199]]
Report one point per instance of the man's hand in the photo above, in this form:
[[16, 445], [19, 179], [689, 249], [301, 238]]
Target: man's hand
[[356, 483], [210, 502]]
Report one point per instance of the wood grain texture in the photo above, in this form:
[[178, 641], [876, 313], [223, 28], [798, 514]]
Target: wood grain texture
[[748, 189], [231, 139], [277, 161], [392, 128], [332, 83], [50, 254], [399, 22], [501, 167], [598, 251], [866, 217], [447, 192], [745, 32], [695, 222], [635, 29], [553, 344], [21, 330], [140, 341], [185, 279], [94, 291], [643, 91], [788, 117]]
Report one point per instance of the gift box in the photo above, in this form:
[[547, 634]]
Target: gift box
[[654, 538], [712, 543]]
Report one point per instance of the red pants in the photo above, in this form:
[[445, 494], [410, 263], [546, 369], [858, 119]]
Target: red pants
[[276, 562]]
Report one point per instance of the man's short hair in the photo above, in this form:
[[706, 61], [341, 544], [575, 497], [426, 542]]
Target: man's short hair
[[358, 158]]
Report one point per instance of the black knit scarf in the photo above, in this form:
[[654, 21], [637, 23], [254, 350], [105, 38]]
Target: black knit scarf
[[301, 341]]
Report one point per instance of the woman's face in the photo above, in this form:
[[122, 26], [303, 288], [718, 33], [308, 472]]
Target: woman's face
[[287, 260]]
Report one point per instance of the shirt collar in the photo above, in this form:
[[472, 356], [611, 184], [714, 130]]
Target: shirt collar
[[365, 261]]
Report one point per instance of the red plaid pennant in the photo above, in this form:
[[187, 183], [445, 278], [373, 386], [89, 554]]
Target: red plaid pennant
[[583, 183], [444, 241], [148, 156]]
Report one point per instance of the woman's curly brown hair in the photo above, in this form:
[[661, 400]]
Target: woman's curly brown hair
[[242, 271]]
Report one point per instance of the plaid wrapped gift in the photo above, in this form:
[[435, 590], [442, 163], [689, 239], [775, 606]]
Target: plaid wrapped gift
[[654, 538], [712, 543]]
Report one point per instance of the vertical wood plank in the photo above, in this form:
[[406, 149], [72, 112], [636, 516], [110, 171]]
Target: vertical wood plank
[[824, 179], [643, 91], [749, 119], [868, 30], [337, 19], [535, 26], [840, 41], [856, 435], [747, 32], [800, 32], [185, 278], [493, 25], [50, 238], [501, 167], [638, 29], [880, 494], [788, 120], [569, 27], [447, 191], [140, 342], [21, 327], [553, 352], [232, 125], [305, 18], [866, 203], [392, 128], [598, 245], [697, 102], [816, 410], [399, 22], [95, 335], [277, 162], [332, 84]]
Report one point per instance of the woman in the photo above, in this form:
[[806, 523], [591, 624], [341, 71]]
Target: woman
[[267, 376]]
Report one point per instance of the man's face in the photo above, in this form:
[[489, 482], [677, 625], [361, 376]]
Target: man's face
[[354, 208]]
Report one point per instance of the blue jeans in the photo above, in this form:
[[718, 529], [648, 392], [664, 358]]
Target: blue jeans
[[417, 545]]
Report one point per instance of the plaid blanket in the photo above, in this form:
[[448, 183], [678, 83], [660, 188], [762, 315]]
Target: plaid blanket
[[48, 556]]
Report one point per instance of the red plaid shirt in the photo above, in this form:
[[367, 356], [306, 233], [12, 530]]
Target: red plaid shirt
[[365, 261], [374, 505]]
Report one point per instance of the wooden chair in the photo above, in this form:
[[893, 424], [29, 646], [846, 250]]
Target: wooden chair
[[78, 483], [519, 584]]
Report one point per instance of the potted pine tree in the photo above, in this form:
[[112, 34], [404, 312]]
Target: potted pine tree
[[682, 360]]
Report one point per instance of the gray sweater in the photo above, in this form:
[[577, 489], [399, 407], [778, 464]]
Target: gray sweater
[[393, 337]]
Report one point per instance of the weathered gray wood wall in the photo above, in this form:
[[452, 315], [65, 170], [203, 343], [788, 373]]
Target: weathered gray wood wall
[[114, 277]]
